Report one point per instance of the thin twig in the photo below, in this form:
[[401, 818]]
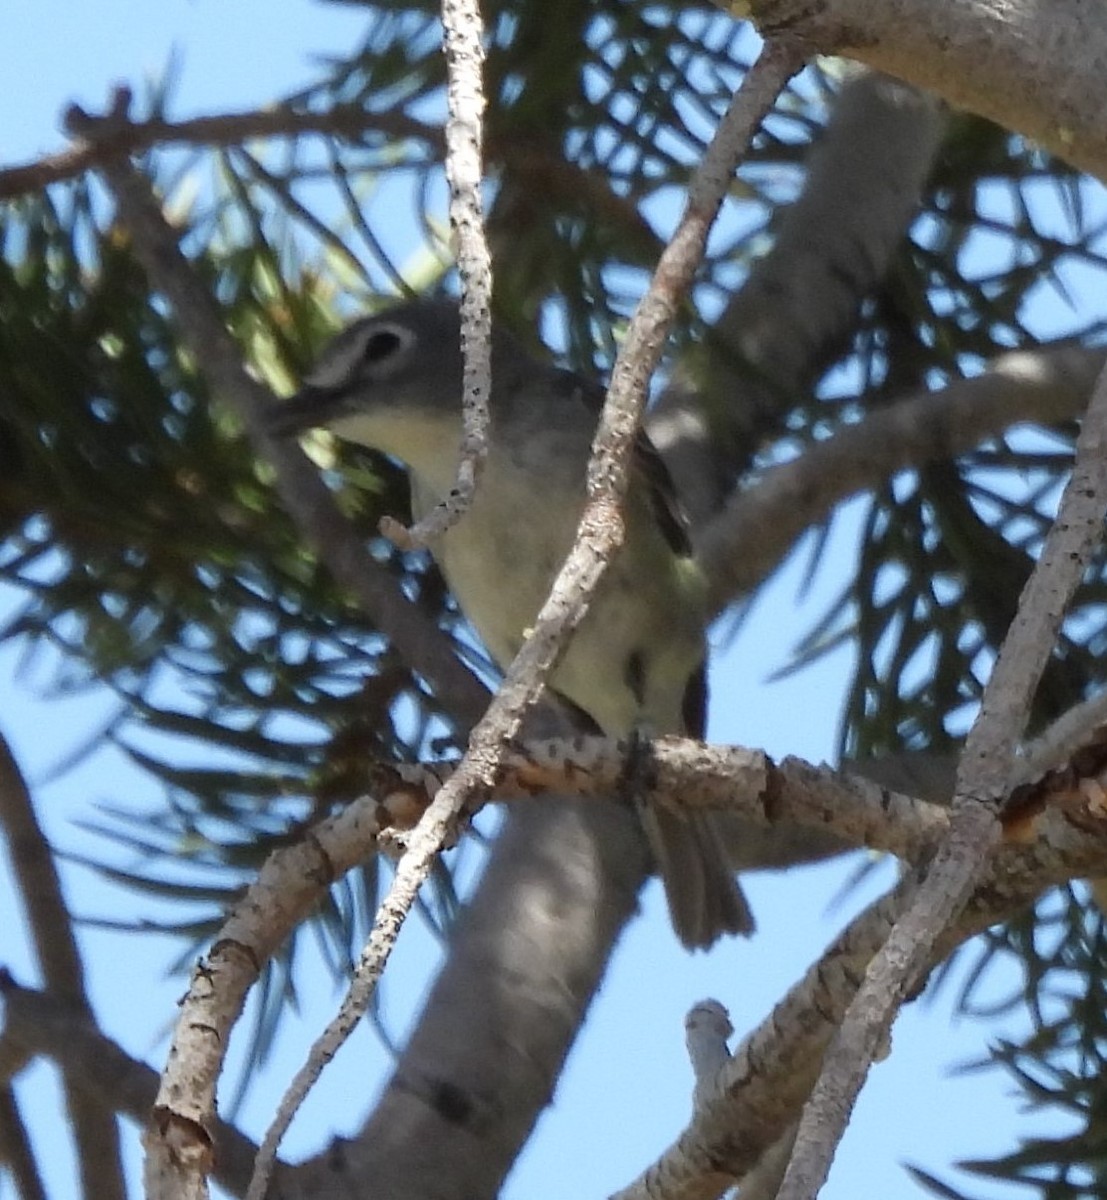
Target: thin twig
[[464, 48], [985, 769], [464, 173]]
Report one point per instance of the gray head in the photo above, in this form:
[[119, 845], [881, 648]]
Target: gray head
[[393, 382]]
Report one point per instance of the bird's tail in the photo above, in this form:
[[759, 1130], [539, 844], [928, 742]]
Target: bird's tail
[[704, 898]]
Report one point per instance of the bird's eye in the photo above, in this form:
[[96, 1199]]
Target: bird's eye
[[381, 345]]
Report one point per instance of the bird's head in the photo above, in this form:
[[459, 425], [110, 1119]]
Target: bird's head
[[391, 382]]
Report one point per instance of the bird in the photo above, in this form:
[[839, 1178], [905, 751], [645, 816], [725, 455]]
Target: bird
[[636, 665]]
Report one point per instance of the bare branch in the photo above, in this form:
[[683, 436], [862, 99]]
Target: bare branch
[[463, 31], [762, 1089], [464, 172], [761, 524], [288, 888], [689, 776]]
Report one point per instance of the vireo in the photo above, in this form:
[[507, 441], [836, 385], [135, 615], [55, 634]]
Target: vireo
[[635, 664]]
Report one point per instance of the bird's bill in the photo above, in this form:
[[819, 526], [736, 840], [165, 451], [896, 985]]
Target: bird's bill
[[309, 408]]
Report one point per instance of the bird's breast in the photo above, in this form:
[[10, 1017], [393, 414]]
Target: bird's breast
[[501, 557], [628, 662]]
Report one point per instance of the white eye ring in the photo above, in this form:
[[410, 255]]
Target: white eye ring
[[373, 348]]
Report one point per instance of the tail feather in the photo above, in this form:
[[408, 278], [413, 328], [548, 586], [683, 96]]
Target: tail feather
[[704, 898]]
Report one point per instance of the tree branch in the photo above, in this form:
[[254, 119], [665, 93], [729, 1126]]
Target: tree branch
[[968, 52], [94, 1128], [760, 1091], [760, 525], [39, 1023], [350, 121], [463, 45], [463, 32]]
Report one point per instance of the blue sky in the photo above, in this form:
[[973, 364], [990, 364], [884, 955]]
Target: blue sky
[[628, 1072]]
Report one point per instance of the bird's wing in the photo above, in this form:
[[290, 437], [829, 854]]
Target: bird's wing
[[647, 463]]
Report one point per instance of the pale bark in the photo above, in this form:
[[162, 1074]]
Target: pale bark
[[1031, 67], [984, 773], [762, 522]]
